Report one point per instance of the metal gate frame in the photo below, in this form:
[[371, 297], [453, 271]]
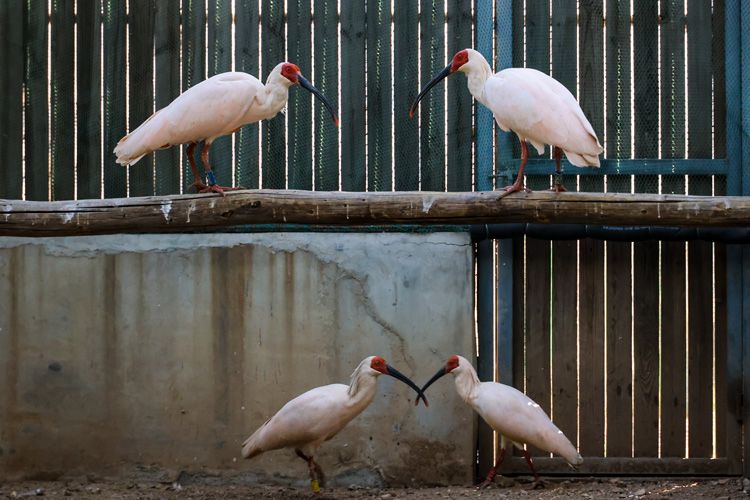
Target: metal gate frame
[[496, 339]]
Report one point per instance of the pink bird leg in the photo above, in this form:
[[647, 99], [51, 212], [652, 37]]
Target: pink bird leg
[[493, 471], [557, 185], [518, 185], [317, 478], [212, 186]]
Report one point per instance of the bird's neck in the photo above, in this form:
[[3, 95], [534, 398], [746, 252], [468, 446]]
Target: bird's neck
[[478, 74], [273, 98], [467, 383], [362, 389]]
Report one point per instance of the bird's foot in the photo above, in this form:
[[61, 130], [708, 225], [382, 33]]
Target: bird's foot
[[516, 187], [320, 475], [198, 186], [557, 185], [537, 484], [489, 479], [513, 188], [484, 484], [315, 486], [215, 188]]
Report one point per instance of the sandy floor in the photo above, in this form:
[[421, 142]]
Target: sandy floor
[[583, 488]]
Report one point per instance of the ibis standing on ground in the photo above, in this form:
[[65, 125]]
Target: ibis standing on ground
[[215, 107], [509, 412], [312, 418], [535, 106]]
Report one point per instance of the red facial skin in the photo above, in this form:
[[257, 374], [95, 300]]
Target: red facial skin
[[452, 364], [290, 72], [461, 58], [378, 364]]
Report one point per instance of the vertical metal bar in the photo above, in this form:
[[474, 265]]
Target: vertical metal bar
[[485, 332], [485, 248], [484, 116], [485, 269], [741, 315], [737, 378], [504, 155]]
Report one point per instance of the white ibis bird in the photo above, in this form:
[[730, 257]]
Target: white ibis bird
[[215, 107], [509, 412], [535, 106], [316, 416]]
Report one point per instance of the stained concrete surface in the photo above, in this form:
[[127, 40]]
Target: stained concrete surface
[[168, 350]]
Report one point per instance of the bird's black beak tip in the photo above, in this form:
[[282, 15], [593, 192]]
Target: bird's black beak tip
[[311, 88], [446, 71], [403, 378]]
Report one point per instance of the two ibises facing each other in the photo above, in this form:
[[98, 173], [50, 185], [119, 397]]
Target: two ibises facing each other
[[535, 106], [316, 416], [215, 107]]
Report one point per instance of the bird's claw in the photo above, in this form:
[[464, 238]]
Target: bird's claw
[[484, 484], [199, 186], [215, 188], [515, 188], [537, 484], [557, 185]]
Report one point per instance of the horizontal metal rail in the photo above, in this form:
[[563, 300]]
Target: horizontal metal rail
[[481, 232], [543, 166]]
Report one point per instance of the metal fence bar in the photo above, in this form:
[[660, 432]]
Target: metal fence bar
[[378, 96], [504, 151], [35, 100], [733, 60], [353, 96], [326, 58], [628, 167], [485, 249], [273, 131], [738, 258], [246, 59], [11, 110]]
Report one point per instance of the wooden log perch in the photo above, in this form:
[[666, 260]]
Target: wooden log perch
[[181, 213]]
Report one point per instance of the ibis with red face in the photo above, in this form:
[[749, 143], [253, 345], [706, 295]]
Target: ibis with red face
[[316, 416], [509, 412], [535, 106], [218, 106]]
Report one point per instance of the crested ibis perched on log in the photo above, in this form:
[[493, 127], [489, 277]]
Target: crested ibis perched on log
[[215, 107], [316, 416], [509, 412], [535, 106]]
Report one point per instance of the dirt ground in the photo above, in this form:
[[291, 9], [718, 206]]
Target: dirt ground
[[197, 488]]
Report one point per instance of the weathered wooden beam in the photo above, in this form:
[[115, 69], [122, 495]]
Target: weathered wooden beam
[[204, 212]]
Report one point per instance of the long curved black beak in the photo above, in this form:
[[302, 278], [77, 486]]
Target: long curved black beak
[[447, 71], [439, 374], [403, 378], [309, 86]]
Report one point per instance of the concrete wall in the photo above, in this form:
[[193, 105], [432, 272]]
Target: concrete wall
[[169, 350]]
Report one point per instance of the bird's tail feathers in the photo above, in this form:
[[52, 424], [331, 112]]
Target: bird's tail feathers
[[570, 454], [136, 144], [251, 447], [582, 159], [249, 450]]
